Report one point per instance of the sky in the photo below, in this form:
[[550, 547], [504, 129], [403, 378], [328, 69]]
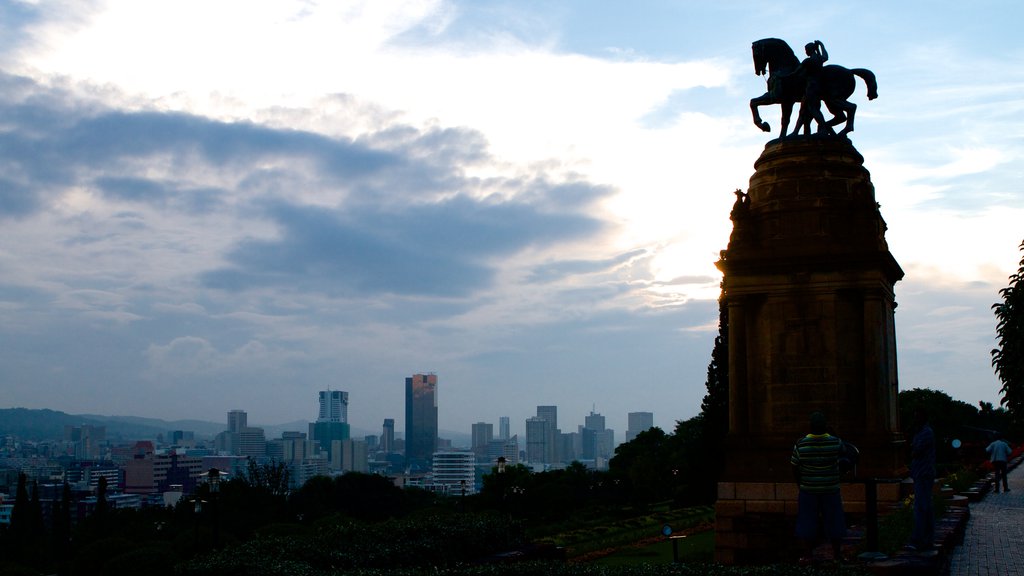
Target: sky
[[208, 206]]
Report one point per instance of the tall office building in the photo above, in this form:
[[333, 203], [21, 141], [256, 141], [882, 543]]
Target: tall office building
[[420, 418], [538, 438], [387, 437], [598, 441], [549, 413], [638, 422], [454, 473], [333, 406], [503, 428], [482, 434], [237, 419], [332, 421]]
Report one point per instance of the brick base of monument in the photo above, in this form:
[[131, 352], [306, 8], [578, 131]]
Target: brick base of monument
[[755, 521]]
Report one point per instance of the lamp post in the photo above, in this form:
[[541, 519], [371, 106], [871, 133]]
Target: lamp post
[[501, 481], [197, 502], [213, 478]]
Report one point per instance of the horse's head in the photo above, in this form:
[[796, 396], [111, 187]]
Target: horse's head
[[760, 62], [772, 53]]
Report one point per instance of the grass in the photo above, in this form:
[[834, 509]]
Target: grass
[[602, 536], [695, 548]]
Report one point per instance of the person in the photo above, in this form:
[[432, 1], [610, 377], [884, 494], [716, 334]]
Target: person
[[810, 106], [815, 462], [922, 470], [999, 451]]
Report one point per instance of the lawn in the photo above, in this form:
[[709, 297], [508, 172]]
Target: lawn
[[694, 548]]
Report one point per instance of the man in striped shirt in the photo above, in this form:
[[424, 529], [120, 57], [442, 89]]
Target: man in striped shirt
[[815, 463]]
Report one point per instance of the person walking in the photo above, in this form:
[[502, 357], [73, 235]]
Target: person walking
[[922, 470], [999, 453], [815, 462]]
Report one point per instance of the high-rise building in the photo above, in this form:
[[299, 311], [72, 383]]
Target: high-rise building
[[503, 428], [353, 456], [507, 448], [333, 406], [482, 433], [237, 419], [598, 441], [331, 422], [549, 413], [538, 448], [454, 473], [420, 418], [638, 422], [387, 437], [252, 442]]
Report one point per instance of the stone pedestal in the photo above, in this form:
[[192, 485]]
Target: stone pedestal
[[808, 284]]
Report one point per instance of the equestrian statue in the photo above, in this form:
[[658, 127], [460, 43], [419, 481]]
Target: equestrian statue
[[810, 82]]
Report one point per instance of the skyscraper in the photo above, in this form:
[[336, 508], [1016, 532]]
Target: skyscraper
[[387, 437], [503, 428], [420, 418], [332, 421], [538, 441], [482, 434], [237, 419], [598, 441], [638, 422], [333, 406], [549, 413]]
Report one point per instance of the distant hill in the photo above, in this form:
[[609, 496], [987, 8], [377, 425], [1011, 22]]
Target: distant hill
[[45, 424], [38, 425]]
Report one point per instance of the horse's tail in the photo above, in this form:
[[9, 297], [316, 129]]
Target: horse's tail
[[869, 78]]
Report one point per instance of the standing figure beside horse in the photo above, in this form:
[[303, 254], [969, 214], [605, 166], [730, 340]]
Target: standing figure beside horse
[[810, 82]]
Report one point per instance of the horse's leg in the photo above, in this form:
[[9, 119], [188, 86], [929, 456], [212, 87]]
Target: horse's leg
[[838, 116], [754, 103], [803, 120], [851, 110], [787, 111]]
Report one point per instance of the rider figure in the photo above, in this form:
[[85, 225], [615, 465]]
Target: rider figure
[[810, 69]]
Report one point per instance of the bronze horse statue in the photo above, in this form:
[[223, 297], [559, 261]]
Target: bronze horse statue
[[786, 88]]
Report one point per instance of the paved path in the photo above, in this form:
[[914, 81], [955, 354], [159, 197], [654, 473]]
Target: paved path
[[994, 542]]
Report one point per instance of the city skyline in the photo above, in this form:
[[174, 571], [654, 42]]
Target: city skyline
[[525, 198]]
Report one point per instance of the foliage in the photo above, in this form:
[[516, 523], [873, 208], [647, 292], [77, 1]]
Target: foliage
[[341, 546], [366, 497], [1008, 357], [685, 465], [269, 476], [894, 528], [950, 419]]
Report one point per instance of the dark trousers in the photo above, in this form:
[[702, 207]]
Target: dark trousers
[[1000, 467], [923, 535]]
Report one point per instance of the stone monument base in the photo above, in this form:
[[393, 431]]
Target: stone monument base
[[755, 521]]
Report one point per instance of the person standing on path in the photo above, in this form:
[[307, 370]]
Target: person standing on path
[[922, 470], [999, 451], [815, 463]]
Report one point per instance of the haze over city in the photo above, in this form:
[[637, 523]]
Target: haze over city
[[236, 205]]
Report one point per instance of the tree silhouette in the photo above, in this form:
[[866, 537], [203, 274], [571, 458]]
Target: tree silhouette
[[1008, 358]]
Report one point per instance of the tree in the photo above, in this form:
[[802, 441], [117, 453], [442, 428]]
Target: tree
[[1008, 358], [271, 477], [102, 506], [21, 517]]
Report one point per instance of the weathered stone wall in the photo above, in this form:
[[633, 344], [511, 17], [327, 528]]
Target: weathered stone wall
[[808, 284]]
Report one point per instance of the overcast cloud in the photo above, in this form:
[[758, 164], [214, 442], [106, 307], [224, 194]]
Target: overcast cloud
[[208, 207]]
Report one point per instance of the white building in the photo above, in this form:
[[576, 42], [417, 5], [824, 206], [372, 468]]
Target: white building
[[333, 406], [454, 473], [638, 422]]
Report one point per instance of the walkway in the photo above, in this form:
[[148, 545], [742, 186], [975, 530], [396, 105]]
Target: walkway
[[994, 542]]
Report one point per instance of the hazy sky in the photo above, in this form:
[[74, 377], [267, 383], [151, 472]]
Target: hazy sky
[[208, 205]]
